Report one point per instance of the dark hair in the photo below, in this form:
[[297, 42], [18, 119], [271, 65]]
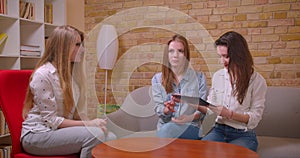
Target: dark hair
[[240, 64], [168, 75]]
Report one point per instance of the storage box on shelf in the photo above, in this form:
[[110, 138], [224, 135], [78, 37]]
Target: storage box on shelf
[[27, 30]]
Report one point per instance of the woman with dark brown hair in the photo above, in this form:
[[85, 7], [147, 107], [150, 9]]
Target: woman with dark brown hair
[[178, 120], [239, 93]]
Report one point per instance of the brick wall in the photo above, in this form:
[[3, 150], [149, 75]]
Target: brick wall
[[271, 27]]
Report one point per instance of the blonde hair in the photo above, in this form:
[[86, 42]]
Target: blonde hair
[[60, 44]]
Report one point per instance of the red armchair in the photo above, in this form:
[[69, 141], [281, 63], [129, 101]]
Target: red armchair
[[13, 85]]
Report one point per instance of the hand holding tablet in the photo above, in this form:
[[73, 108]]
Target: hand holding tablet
[[192, 100]]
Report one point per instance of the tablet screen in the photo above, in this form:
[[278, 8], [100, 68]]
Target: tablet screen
[[192, 100]]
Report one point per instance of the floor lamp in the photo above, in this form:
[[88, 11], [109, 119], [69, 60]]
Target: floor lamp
[[107, 51]]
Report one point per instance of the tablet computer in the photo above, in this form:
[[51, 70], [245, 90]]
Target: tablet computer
[[192, 100]]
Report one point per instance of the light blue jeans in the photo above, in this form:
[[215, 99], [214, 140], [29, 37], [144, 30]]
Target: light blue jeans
[[174, 130], [224, 133], [65, 141]]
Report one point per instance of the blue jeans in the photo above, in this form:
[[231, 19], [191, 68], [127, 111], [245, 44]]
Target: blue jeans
[[174, 130], [224, 133]]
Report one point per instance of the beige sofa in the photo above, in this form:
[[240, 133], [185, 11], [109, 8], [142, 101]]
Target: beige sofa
[[136, 117], [278, 132]]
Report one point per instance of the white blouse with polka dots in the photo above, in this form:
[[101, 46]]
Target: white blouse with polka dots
[[47, 111]]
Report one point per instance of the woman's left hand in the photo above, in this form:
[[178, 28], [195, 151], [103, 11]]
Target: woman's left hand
[[101, 123], [221, 111], [183, 119]]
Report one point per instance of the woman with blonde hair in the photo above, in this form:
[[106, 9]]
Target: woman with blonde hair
[[55, 120]]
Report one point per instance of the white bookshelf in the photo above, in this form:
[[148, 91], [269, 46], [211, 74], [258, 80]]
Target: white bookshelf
[[24, 31]]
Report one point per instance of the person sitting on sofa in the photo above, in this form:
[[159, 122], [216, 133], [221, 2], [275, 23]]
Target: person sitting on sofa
[[52, 125], [177, 120], [238, 92]]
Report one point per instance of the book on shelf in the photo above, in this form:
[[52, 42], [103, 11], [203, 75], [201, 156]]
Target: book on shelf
[[48, 11], [3, 6], [6, 129], [3, 125], [3, 37], [27, 10], [5, 151], [30, 50], [22, 8], [31, 15], [30, 47], [30, 53]]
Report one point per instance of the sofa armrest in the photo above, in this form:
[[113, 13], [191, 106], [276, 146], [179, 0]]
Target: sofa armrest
[[278, 147]]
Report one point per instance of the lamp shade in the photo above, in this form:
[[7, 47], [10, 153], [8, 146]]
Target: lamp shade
[[107, 47]]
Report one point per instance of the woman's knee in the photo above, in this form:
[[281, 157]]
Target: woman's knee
[[164, 131], [247, 143], [170, 130], [95, 133], [110, 136]]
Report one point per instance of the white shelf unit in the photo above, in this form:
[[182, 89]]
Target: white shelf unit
[[24, 31]]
